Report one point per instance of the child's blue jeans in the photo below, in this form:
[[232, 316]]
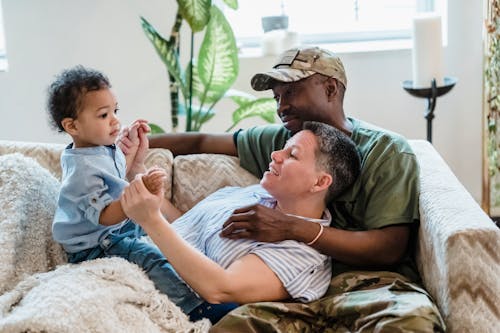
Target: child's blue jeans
[[128, 245]]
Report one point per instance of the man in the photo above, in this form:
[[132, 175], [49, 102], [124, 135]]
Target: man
[[374, 222]]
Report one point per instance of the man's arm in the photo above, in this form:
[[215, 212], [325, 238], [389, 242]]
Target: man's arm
[[376, 247], [194, 143]]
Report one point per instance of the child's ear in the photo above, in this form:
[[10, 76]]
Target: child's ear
[[69, 126]]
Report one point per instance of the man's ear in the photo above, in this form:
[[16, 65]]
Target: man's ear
[[332, 87], [69, 126], [323, 182]]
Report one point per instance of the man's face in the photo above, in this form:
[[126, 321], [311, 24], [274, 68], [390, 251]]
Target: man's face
[[300, 101]]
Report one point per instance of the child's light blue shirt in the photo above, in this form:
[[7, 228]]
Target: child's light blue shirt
[[91, 179]]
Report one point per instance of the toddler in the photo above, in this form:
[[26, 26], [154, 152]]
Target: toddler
[[89, 221]]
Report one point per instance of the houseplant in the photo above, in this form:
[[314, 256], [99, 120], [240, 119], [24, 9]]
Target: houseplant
[[208, 78]]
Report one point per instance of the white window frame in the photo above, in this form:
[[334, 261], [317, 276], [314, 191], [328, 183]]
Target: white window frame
[[356, 41], [3, 52]]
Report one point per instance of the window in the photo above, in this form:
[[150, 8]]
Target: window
[[330, 21], [3, 56]]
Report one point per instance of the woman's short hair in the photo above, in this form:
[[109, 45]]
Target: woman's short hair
[[337, 155]]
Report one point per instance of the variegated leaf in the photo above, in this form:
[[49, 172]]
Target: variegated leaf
[[261, 107], [240, 97], [166, 51], [198, 86], [233, 4], [218, 57], [195, 12]]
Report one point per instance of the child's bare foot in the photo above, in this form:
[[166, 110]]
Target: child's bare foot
[[154, 180]]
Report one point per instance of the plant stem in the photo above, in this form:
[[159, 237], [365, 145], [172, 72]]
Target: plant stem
[[174, 86], [231, 127], [190, 107]]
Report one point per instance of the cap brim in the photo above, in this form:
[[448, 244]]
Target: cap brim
[[264, 81]]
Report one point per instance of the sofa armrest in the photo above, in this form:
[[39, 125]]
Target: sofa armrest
[[457, 251]]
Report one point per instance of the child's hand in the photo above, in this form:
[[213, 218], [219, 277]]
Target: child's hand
[[138, 203], [134, 143], [154, 180]]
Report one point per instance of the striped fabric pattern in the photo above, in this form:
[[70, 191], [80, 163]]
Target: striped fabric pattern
[[304, 272]]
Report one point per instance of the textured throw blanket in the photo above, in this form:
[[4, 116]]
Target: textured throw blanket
[[104, 295]]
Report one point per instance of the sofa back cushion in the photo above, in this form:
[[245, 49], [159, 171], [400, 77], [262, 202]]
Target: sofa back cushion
[[198, 175], [48, 156]]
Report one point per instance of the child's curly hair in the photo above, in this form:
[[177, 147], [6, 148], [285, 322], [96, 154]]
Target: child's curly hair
[[66, 92]]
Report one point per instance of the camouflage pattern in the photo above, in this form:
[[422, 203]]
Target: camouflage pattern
[[297, 64], [355, 302]]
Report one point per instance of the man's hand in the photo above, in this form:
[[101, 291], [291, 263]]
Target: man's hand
[[257, 222]]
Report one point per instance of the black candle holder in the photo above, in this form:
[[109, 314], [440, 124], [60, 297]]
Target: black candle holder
[[431, 94]]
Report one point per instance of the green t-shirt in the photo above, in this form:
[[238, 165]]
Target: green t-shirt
[[385, 193]]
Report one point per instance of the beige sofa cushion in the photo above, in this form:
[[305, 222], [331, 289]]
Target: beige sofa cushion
[[48, 156], [458, 249], [196, 176]]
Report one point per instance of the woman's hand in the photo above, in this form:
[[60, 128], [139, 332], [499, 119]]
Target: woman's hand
[[139, 204]]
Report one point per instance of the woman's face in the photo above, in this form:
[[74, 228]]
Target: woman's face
[[292, 171]]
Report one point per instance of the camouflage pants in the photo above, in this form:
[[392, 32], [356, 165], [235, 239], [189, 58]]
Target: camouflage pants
[[355, 302]]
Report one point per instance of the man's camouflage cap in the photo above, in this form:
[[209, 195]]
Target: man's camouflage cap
[[299, 63]]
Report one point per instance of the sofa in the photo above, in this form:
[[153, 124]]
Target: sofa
[[458, 253]]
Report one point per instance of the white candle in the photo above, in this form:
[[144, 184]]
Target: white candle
[[427, 50]]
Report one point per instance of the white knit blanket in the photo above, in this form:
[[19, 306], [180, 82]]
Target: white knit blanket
[[104, 295]]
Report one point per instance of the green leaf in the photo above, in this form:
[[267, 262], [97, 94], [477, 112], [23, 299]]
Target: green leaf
[[233, 4], [240, 97], [166, 51], [195, 12], [218, 58], [155, 129], [262, 107], [198, 87], [201, 116]]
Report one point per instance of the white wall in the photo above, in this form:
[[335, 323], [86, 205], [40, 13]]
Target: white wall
[[43, 37]]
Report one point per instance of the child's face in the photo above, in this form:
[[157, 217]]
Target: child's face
[[97, 123]]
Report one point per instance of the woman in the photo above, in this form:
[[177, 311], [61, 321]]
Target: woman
[[316, 164]]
